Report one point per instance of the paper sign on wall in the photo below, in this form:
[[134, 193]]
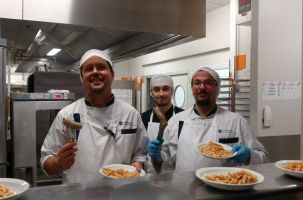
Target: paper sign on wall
[[270, 90], [124, 95], [291, 90], [281, 90]]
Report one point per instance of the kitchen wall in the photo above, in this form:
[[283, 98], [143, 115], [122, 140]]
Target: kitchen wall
[[213, 50], [276, 55]]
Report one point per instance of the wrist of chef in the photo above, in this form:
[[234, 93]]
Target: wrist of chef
[[138, 165], [43, 161], [52, 165]]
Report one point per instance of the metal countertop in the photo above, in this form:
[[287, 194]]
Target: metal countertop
[[172, 186]]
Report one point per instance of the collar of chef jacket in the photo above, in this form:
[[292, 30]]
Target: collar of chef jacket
[[209, 115], [108, 103]]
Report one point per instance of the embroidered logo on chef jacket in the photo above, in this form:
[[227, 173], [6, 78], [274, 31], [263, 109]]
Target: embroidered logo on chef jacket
[[224, 131]]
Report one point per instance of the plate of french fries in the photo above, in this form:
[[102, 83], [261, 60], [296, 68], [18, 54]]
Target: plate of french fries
[[215, 150], [11, 188], [121, 171], [291, 167], [229, 178]]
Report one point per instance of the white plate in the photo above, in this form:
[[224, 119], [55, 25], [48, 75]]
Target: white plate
[[17, 186], [202, 172], [226, 147], [280, 163], [121, 166]]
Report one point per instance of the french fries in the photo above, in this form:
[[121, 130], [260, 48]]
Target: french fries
[[119, 173], [240, 177], [5, 191], [215, 150], [294, 166]]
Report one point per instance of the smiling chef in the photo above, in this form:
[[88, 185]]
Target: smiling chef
[[111, 131]]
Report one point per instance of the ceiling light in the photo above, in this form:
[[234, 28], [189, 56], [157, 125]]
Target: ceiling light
[[53, 52], [38, 34]]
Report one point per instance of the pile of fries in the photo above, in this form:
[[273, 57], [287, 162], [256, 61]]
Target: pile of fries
[[119, 173], [240, 177], [5, 191], [215, 150], [294, 166]]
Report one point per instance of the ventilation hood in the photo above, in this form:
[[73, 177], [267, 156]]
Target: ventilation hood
[[123, 28]]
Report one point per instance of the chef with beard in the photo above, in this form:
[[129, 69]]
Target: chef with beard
[[203, 123], [112, 131]]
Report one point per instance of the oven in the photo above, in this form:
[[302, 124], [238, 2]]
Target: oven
[[31, 117]]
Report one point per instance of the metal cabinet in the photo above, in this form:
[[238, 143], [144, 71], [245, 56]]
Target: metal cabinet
[[30, 122]]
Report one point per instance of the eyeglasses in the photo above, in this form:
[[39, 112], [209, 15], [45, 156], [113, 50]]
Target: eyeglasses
[[206, 83]]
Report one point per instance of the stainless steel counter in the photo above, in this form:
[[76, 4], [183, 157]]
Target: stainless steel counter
[[172, 186]]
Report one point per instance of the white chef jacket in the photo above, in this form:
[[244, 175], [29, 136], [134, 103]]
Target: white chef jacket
[[223, 125], [96, 147]]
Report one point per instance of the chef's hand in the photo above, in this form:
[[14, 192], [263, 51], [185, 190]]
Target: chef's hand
[[138, 165], [154, 149], [66, 155], [243, 154]]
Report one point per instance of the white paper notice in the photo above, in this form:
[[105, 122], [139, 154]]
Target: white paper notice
[[124, 95], [270, 90], [281, 90], [291, 90]]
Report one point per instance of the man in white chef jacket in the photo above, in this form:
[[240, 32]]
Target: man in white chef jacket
[[205, 122], [161, 90], [112, 131]]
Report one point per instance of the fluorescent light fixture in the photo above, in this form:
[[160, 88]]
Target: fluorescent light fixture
[[38, 34], [53, 52]]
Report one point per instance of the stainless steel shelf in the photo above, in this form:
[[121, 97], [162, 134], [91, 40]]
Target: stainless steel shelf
[[238, 95]]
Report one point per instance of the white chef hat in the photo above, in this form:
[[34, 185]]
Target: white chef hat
[[160, 80], [215, 76], [95, 52], [213, 73]]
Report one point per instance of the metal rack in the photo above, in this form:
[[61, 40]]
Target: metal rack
[[226, 97], [235, 96], [242, 98]]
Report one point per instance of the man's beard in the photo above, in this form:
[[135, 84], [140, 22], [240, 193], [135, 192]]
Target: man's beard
[[162, 103], [97, 90], [203, 102]]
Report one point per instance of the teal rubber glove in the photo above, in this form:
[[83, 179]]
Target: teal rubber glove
[[154, 149], [243, 153]]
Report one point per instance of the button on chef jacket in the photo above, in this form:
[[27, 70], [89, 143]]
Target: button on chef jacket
[[96, 146], [224, 126]]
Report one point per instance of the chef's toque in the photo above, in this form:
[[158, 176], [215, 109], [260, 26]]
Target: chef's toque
[[161, 80]]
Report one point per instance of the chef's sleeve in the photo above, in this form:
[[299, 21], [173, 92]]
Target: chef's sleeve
[[140, 150], [53, 141]]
